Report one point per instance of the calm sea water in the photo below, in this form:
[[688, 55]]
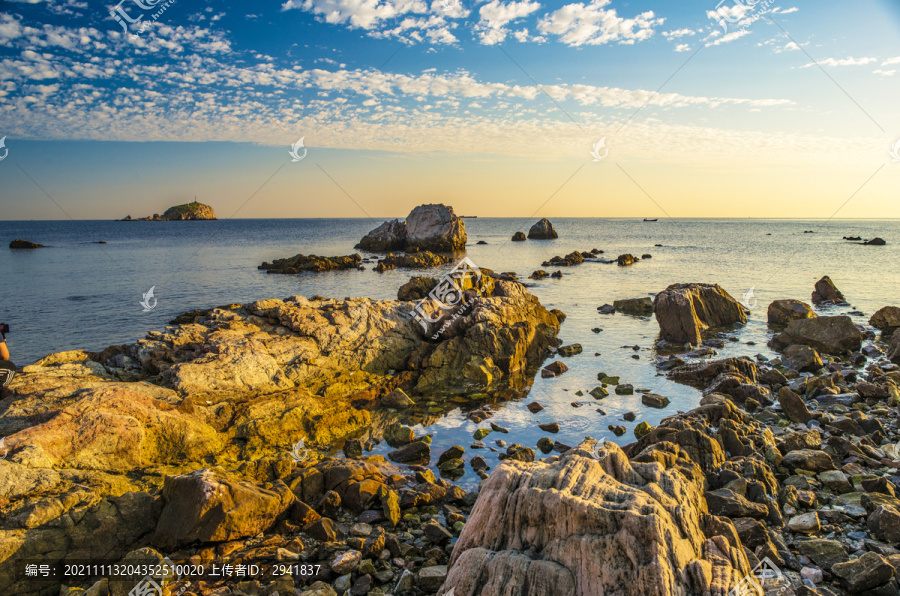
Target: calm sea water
[[79, 294]]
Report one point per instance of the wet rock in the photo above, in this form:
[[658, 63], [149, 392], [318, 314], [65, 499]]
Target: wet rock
[[391, 235], [436, 533], [18, 244], [542, 230], [642, 429], [418, 260], [606, 309], [875, 242], [808, 459], [534, 407], [518, 453], [397, 435], [638, 307], [625, 389], [730, 504], [824, 553], [685, 311], [831, 335], [884, 523], [782, 312], [397, 399], [626, 260], [415, 452], [570, 350], [554, 369], [519, 237], [629, 416], [549, 427], [313, 263], [801, 359], [352, 448], [598, 392], [827, 293], [455, 452], [654, 400], [886, 319], [416, 288]]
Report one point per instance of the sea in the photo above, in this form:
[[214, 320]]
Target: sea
[[85, 291]]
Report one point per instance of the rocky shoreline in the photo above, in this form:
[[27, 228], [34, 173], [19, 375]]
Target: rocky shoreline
[[214, 443]]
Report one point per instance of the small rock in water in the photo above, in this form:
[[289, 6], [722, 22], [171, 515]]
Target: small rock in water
[[480, 433], [498, 428], [570, 350], [617, 430], [545, 445], [625, 389], [550, 427], [629, 416], [534, 407], [642, 429], [554, 369], [654, 401]]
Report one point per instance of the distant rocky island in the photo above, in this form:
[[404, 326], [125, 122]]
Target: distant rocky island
[[186, 212]]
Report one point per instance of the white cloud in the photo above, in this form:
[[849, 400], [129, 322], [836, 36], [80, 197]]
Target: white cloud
[[842, 62], [889, 61], [683, 47], [785, 11], [729, 37], [10, 27], [884, 73], [495, 15], [670, 35], [593, 24], [791, 47]]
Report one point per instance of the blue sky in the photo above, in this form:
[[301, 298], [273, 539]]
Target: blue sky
[[487, 105]]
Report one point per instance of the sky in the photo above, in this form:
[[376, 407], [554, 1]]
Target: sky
[[367, 108]]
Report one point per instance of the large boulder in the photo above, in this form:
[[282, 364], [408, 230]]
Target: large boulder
[[893, 351], [782, 312], [24, 244], [827, 293], [831, 335], [685, 311], [542, 230], [391, 235], [435, 228], [656, 539], [209, 506], [886, 319]]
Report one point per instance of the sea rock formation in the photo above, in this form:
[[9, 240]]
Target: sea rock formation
[[300, 263], [433, 228], [187, 212], [831, 335], [542, 230], [626, 260], [826, 293], [419, 260], [886, 319], [782, 312], [656, 538], [685, 311], [391, 235], [519, 237], [25, 244], [638, 307]]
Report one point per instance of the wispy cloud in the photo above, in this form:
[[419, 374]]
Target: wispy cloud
[[841, 62]]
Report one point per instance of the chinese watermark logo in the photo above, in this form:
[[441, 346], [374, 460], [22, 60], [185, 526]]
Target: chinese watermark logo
[[295, 150], [148, 306], [3, 450], [299, 452], [895, 150], [599, 451], [749, 300], [595, 153], [5, 150], [447, 5], [449, 295], [764, 579], [124, 18], [736, 13]]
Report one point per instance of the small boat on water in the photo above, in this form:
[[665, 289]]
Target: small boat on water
[[469, 216], [651, 219]]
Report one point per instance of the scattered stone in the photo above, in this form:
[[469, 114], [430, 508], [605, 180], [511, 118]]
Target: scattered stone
[[549, 427], [654, 400], [827, 293]]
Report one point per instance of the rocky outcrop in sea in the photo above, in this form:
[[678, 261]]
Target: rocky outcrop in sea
[[187, 212], [433, 228]]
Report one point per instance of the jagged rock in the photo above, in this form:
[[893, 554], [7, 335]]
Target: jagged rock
[[416, 288], [793, 405], [685, 311], [626, 259], [782, 312], [808, 459], [827, 293], [654, 401], [417, 260], [299, 263], [801, 358], [638, 307], [519, 237], [884, 523], [702, 373], [825, 553], [886, 319], [436, 228], [652, 541], [831, 335], [875, 242], [25, 244], [570, 350], [542, 230], [391, 235], [209, 506], [893, 351], [865, 573], [416, 452], [570, 260]]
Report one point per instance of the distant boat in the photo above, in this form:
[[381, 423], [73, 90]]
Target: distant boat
[[469, 216], [651, 220]]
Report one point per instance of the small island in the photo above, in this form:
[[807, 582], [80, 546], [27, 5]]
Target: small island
[[186, 212]]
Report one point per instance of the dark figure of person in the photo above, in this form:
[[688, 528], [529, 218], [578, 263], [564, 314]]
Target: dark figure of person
[[7, 368]]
